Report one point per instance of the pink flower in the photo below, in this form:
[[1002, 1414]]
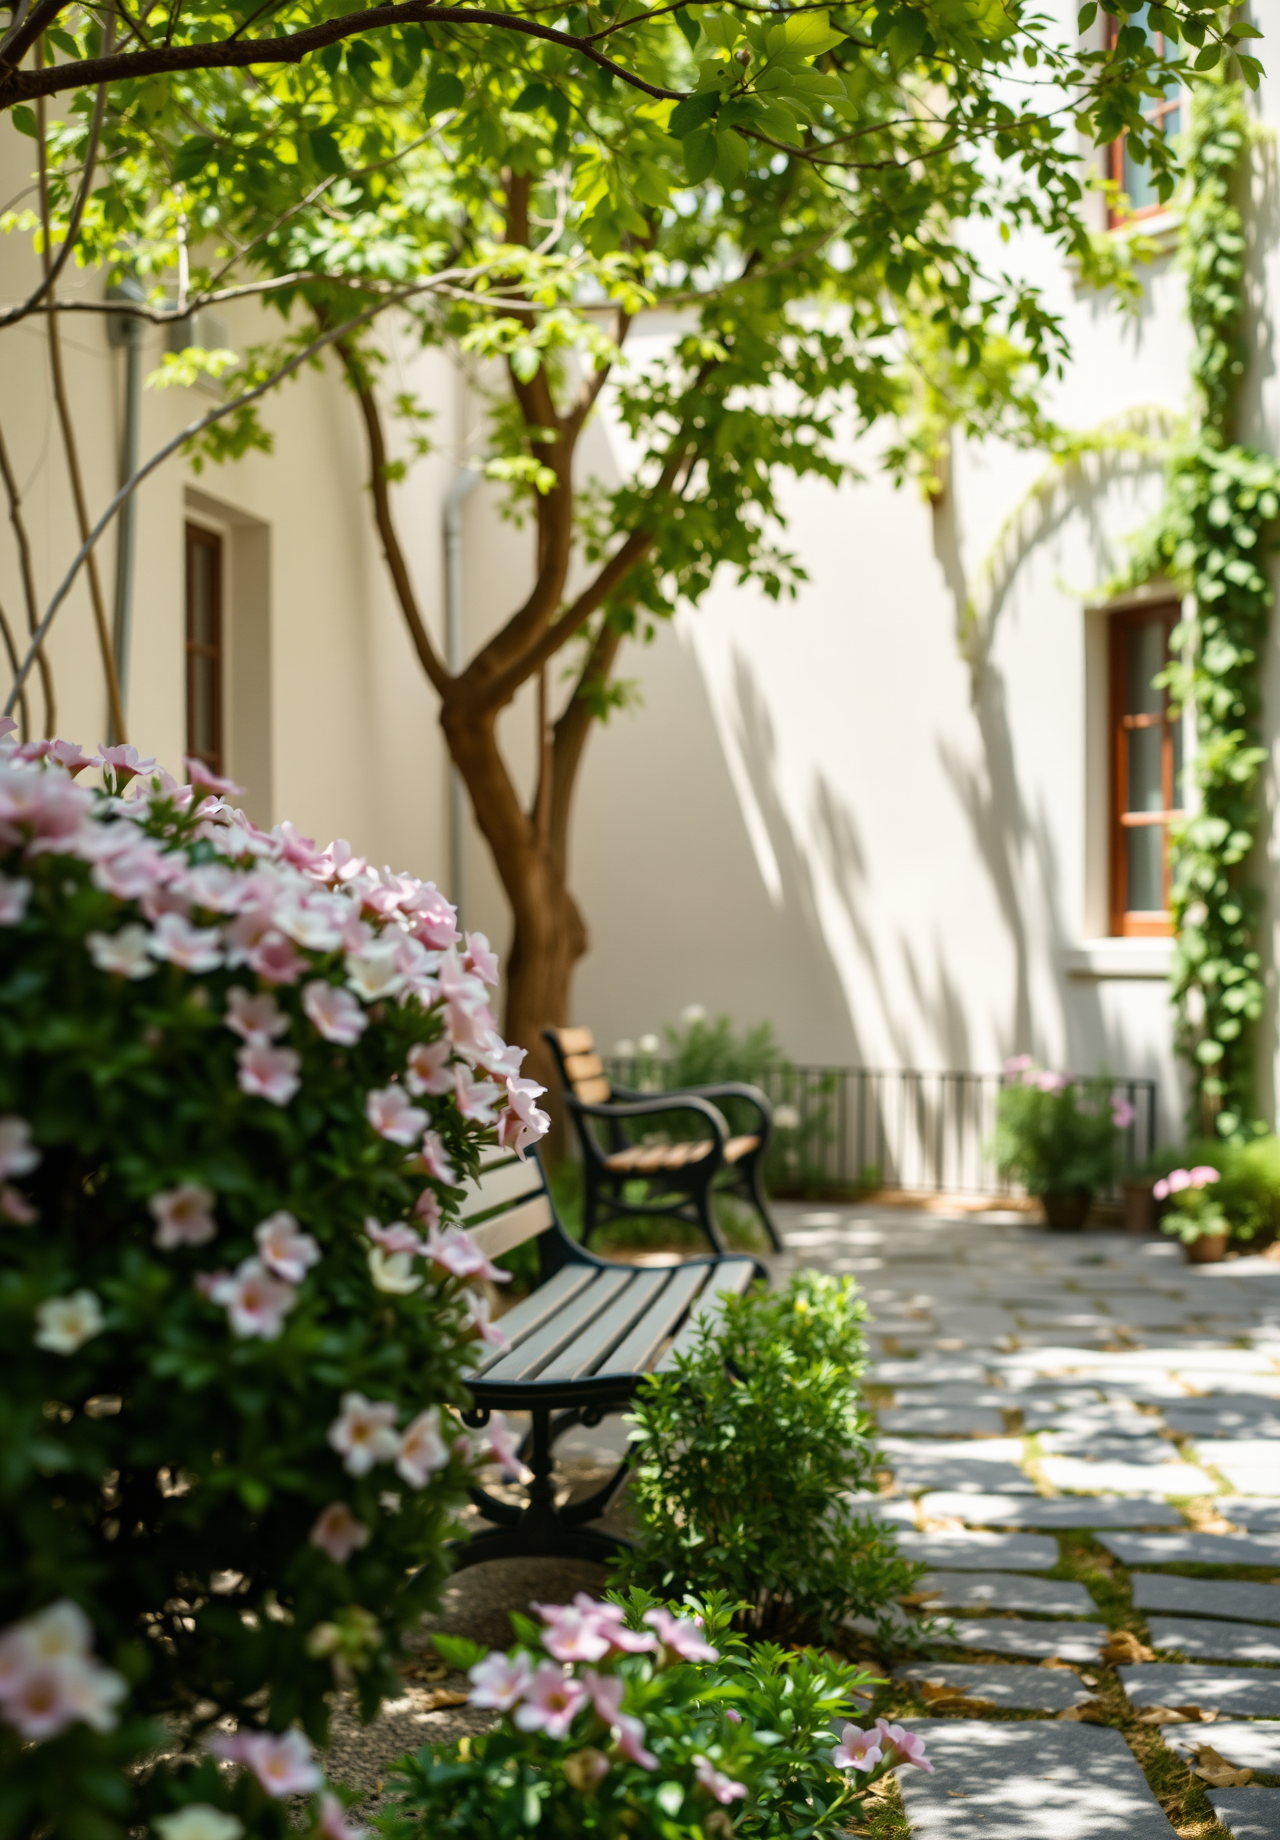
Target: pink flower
[[375, 973], [283, 1765], [476, 1098], [427, 1208], [1122, 1113], [480, 959], [256, 1303], [1018, 1064], [49, 1678], [269, 1073], [1051, 1082], [681, 1636], [335, 1823], [523, 1122], [389, 1111], [199, 775], [497, 1058], [69, 754], [14, 895], [1161, 1189], [857, 1750], [191, 948], [612, 1620], [1202, 1175], [455, 1251], [630, 1735], [334, 1012], [552, 1701], [301, 851], [572, 1634], [183, 1216], [422, 1449], [397, 1238], [484, 1330], [434, 920], [435, 1159], [1177, 1180], [338, 1532], [274, 959], [429, 1069], [506, 1449], [909, 1747], [16, 1208], [18, 1155], [124, 953], [123, 762], [254, 1019], [722, 1787], [606, 1691], [500, 1681], [41, 803], [364, 1434], [284, 1250]]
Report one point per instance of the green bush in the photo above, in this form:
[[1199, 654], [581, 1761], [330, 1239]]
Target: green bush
[[749, 1454], [1056, 1135], [1194, 1204], [233, 1073], [646, 1724], [1249, 1190]]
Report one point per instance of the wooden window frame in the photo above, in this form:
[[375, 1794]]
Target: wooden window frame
[[1137, 923], [1115, 152], [199, 537]]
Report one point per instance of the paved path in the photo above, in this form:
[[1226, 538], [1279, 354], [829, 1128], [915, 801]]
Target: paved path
[[1081, 1440]]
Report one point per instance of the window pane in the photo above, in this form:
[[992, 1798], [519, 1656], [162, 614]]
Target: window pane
[[1137, 182], [204, 611], [1179, 792], [203, 714], [1146, 658], [1145, 790], [1144, 847]]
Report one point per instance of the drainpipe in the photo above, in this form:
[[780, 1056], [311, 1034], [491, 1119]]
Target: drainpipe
[[459, 492], [127, 330]]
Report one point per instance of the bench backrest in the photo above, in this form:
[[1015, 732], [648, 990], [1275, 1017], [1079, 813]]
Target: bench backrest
[[507, 1203], [582, 1067]]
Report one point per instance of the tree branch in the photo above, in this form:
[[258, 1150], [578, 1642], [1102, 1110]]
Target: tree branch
[[28, 591], [6, 633], [570, 738], [26, 85]]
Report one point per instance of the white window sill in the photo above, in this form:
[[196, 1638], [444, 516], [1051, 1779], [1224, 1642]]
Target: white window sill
[[1120, 958]]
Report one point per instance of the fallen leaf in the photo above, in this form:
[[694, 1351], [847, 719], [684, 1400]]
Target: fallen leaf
[[1089, 1712], [1214, 1769], [961, 1795], [440, 1697], [914, 1598], [425, 1670], [1122, 1645], [1175, 1715], [1052, 1661]]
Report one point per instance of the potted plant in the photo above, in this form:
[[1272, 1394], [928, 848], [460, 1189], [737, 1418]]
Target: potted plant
[[1195, 1214], [1059, 1137]]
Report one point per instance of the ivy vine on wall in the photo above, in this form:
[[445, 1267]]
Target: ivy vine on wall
[[1220, 499]]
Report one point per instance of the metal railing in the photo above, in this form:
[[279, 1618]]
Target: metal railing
[[894, 1127]]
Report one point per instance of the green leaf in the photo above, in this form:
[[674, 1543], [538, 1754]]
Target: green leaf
[[732, 157], [700, 149], [689, 26], [1210, 56], [325, 151], [910, 29], [811, 33], [443, 91], [1086, 16], [692, 113], [458, 1652], [532, 97], [670, 1798], [23, 119]]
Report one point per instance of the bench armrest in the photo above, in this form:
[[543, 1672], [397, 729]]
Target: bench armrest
[[733, 1089], [653, 1103]]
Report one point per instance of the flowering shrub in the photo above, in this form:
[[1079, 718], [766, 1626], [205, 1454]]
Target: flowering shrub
[[747, 1456], [241, 1080], [1194, 1212], [626, 1718], [1055, 1134]]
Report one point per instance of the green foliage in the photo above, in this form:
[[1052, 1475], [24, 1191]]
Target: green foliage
[[1195, 1213], [1250, 1187], [761, 1717], [1056, 1135], [748, 1454], [164, 1465], [1221, 501]]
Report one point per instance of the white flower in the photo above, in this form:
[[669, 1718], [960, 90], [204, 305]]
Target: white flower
[[285, 1250], [14, 895], [375, 972], [334, 1012], [67, 1323], [199, 1821], [125, 954], [365, 1433], [393, 1272], [49, 1679], [389, 1111], [422, 1449], [338, 1532], [183, 1216], [191, 948], [18, 1155]]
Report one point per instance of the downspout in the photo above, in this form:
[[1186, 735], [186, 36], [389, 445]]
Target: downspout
[[127, 329], [459, 492]]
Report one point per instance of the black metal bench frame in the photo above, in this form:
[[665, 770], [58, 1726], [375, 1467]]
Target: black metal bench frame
[[582, 1341], [692, 1185]]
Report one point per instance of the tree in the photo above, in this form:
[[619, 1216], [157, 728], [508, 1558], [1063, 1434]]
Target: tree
[[795, 186]]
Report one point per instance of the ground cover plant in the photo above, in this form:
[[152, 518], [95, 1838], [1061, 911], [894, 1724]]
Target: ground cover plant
[[640, 1718], [241, 1081], [749, 1457]]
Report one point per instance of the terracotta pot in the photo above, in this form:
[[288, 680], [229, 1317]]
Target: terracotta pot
[[1207, 1250], [1140, 1213], [1066, 1212]]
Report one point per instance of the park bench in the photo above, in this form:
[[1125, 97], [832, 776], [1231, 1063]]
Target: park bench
[[681, 1174], [580, 1344]]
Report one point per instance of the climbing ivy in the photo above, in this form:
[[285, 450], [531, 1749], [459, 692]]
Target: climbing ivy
[[1220, 499]]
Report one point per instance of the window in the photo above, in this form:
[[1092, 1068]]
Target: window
[[204, 646], [1146, 767], [1165, 115]]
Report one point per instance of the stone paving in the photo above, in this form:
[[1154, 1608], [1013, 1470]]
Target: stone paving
[[1058, 1408]]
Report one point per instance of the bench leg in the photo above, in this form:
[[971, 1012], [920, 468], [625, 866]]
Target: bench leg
[[540, 1529], [753, 1189]]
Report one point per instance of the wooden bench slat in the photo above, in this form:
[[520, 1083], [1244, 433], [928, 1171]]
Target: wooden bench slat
[[738, 1147], [575, 1041], [534, 1310], [525, 1221], [535, 1351], [592, 1347], [634, 1355], [583, 1066], [501, 1182], [593, 1092], [656, 1159], [731, 1278]]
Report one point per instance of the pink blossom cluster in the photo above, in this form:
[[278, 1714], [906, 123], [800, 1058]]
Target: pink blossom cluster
[[1022, 1067], [49, 1678], [1179, 1179], [884, 1744], [284, 1765], [547, 1696]]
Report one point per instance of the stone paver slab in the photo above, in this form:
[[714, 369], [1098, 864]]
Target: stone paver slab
[[974, 1552], [939, 1421], [987, 1464], [1259, 1516], [1231, 1598], [1252, 1744], [1205, 1638], [1119, 1478], [1007, 1591], [1014, 1689], [1112, 1420], [999, 1635], [951, 1395], [1028, 1781], [1189, 1548], [884, 1508], [1250, 1465], [1036, 1511], [1248, 1813], [1086, 1440], [1242, 1415], [924, 1372], [1249, 1692]]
